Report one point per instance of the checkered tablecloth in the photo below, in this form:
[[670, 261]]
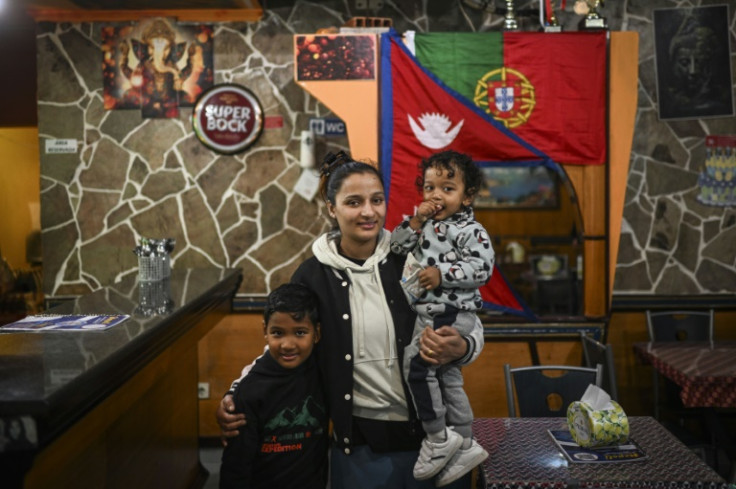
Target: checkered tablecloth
[[522, 455], [706, 371]]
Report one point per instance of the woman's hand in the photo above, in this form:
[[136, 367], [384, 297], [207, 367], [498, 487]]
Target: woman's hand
[[228, 421], [442, 346]]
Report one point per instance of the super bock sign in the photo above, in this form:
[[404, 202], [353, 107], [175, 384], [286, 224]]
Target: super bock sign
[[227, 118]]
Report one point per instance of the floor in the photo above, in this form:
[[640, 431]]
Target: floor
[[210, 458]]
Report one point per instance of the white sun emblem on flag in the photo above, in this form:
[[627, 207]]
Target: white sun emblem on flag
[[434, 131]]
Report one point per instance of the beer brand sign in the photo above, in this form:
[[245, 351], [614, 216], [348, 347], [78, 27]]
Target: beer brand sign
[[228, 118]]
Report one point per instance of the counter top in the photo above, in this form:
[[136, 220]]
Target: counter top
[[50, 379]]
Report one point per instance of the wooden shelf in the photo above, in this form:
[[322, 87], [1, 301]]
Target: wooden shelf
[[50, 14]]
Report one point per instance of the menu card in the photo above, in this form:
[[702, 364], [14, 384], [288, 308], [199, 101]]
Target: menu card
[[628, 452], [65, 322]]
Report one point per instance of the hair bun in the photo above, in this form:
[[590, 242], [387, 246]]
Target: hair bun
[[332, 161]]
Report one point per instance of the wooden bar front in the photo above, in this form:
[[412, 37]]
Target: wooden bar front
[[114, 408]]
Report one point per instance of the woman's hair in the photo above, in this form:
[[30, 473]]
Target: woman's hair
[[336, 168], [451, 161]]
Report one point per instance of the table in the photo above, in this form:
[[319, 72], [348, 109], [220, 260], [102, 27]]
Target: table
[[522, 455], [706, 371], [116, 408]]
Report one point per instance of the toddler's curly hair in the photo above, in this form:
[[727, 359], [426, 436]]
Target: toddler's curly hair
[[452, 161]]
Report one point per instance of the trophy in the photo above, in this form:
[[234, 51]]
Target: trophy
[[509, 22], [592, 19], [550, 23]]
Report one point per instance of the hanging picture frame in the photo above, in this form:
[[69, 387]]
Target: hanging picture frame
[[693, 62]]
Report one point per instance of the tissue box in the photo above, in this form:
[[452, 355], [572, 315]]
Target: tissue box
[[596, 428]]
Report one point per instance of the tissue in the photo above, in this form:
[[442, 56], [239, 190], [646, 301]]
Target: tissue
[[596, 420], [410, 279]]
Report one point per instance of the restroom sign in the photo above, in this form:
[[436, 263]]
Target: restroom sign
[[227, 118], [321, 126]]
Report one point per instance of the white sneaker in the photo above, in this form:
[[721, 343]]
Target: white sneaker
[[463, 462], [434, 456]]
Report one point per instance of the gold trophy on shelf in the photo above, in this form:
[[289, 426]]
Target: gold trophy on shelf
[[589, 8], [509, 21]]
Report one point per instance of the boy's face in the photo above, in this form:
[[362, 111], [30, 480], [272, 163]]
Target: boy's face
[[290, 341], [444, 191]]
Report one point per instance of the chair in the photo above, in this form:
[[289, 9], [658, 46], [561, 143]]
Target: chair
[[594, 353], [676, 326], [680, 325], [540, 395]]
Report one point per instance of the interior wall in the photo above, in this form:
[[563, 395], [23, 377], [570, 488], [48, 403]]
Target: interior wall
[[135, 177], [19, 192]]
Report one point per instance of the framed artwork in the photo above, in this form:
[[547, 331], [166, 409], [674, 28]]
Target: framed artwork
[[693, 62], [156, 65], [518, 187], [323, 57]]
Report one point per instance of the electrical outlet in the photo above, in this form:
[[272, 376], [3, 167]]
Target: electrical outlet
[[203, 390]]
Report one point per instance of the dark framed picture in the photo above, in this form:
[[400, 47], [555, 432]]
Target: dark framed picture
[[518, 187], [693, 62]]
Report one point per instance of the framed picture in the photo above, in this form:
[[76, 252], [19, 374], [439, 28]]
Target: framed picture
[[518, 187], [335, 57], [693, 62]]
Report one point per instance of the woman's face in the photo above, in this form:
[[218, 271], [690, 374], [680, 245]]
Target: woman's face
[[360, 209]]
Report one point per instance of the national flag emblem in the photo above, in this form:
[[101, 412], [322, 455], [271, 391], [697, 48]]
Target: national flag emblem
[[434, 131], [510, 93], [504, 98]]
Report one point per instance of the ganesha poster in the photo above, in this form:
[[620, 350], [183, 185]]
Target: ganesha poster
[[156, 65]]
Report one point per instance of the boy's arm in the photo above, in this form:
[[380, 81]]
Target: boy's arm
[[475, 262], [403, 237], [244, 372], [228, 417], [239, 455]]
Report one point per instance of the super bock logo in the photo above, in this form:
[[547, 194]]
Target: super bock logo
[[507, 95], [228, 118]]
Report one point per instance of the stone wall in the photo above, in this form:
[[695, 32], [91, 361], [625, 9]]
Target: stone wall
[[135, 177]]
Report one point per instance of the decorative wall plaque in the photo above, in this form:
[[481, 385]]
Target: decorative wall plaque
[[228, 118]]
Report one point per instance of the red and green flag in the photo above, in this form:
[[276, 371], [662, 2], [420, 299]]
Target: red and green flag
[[548, 88], [420, 115]]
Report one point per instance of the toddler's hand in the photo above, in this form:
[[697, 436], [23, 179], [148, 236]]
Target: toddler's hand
[[430, 278], [426, 210]]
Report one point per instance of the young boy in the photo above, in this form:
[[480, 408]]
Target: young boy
[[456, 256], [284, 443]]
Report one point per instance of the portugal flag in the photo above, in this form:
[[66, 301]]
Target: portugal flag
[[548, 88], [421, 115]]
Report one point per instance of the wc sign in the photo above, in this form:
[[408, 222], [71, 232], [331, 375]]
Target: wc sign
[[321, 126]]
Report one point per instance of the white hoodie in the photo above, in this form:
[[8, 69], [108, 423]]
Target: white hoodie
[[377, 389]]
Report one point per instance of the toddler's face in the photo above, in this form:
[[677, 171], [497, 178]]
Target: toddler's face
[[445, 189]]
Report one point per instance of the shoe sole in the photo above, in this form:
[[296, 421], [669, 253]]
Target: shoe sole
[[473, 463], [437, 469]]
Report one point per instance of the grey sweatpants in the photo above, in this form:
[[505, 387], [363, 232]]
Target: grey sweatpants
[[437, 392]]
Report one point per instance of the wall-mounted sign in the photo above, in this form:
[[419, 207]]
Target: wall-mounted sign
[[327, 127], [228, 118], [61, 146]]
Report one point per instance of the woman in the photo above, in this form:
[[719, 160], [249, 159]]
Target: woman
[[366, 323]]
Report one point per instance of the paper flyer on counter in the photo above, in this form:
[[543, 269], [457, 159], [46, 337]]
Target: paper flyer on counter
[[65, 322]]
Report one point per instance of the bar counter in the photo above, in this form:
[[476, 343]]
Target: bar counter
[[118, 407]]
